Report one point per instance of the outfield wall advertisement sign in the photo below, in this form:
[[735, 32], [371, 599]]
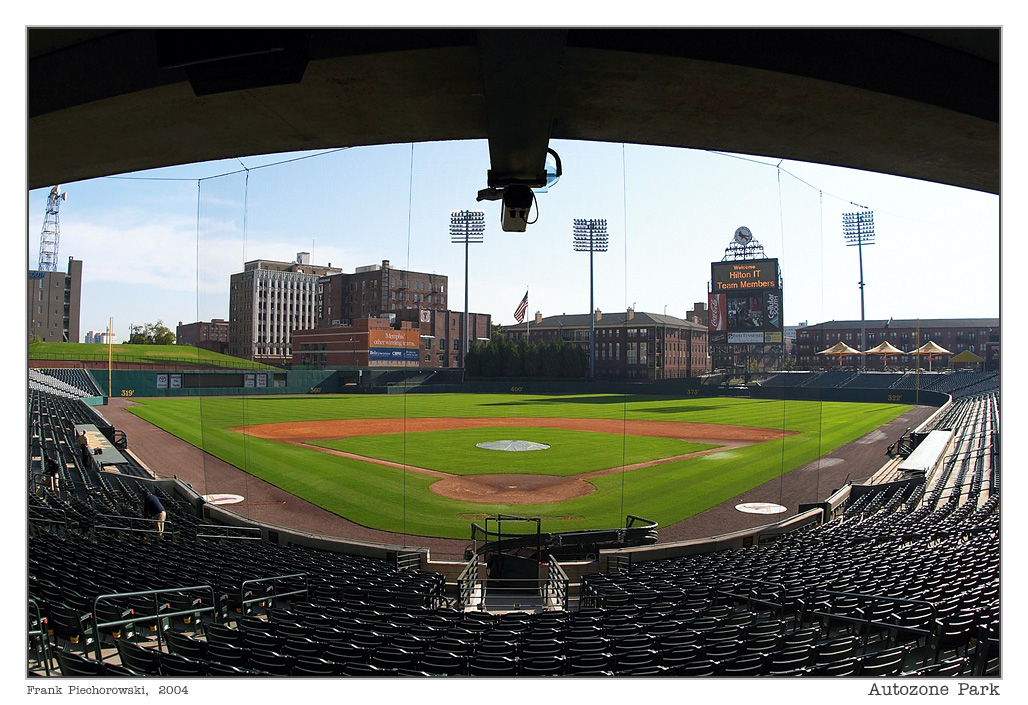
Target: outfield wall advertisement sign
[[745, 303]]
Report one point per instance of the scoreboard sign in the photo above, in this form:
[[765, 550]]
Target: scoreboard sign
[[744, 275], [745, 303]]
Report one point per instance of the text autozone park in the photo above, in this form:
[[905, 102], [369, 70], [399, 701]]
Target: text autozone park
[[745, 312]]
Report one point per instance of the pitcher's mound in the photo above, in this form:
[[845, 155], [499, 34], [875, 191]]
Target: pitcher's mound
[[512, 489], [512, 445]]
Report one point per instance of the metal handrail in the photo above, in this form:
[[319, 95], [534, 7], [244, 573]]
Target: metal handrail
[[778, 607], [408, 561], [557, 583], [40, 635], [243, 602], [218, 531], [868, 623], [157, 615], [135, 525], [467, 580]]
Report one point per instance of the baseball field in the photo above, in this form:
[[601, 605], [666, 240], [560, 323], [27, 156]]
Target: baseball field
[[413, 463]]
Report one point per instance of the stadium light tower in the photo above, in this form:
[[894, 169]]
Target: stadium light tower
[[466, 227], [591, 236], [859, 230], [50, 238]]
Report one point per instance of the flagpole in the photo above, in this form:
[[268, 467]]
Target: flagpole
[[528, 321]]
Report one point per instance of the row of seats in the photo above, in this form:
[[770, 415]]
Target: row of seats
[[905, 582]]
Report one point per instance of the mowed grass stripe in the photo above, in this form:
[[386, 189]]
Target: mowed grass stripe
[[392, 500], [570, 452]]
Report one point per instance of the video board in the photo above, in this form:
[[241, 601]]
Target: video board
[[745, 303]]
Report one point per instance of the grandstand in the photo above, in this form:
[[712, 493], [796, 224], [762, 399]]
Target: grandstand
[[956, 384], [897, 576]]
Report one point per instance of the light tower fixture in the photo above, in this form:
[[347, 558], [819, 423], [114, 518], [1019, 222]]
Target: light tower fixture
[[591, 236], [50, 238], [858, 229], [466, 227]]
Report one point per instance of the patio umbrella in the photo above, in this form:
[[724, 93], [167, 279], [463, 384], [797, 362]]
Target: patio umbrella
[[885, 348], [839, 349], [967, 356], [931, 350]]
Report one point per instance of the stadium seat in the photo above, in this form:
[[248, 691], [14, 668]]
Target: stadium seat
[[701, 667], [442, 663], [227, 654], [138, 658], [173, 665], [221, 634], [185, 645], [492, 666], [844, 667], [270, 662], [76, 665], [553, 665], [746, 665], [392, 657], [70, 626], [313, 666], [885, 663]]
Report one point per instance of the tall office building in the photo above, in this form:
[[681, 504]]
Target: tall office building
[[268, 300], [54, 301]]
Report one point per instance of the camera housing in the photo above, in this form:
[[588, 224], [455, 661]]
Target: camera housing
[[517, 202]]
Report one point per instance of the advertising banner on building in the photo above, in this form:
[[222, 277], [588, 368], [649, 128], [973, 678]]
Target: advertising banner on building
[[162, 381], [176, 381], [716, 306], [394, 355], [388, 345], [389, 338]]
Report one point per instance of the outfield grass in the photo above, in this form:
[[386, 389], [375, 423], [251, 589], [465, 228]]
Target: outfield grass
[[155, 354], [570, 452], [394, 500]]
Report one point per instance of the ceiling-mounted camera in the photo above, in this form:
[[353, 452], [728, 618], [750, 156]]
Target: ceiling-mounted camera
[[517, 196]]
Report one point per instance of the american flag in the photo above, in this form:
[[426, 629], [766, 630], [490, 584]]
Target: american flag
[[519, 312]]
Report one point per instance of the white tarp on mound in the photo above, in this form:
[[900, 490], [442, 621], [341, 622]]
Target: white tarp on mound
[[512, 445]]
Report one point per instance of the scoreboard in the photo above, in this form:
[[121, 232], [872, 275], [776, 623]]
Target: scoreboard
[[745, 303]]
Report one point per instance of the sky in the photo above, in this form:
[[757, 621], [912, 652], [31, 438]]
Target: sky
[[162, 244]]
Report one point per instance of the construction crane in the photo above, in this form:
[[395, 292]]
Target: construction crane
[[49, 240]]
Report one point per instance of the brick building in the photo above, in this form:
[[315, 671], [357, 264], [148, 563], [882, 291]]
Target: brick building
[[210, 335], [408, 338], [377, 290], [442, 332], [977, 335], [630, 345]]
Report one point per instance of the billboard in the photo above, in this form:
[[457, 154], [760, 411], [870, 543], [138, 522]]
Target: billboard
[[388, 345], [745, 303]]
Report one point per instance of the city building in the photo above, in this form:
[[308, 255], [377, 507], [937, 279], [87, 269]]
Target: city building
[[269, 300], [54, 303], [976, 335], [409, 338], [210, 335], [628, 346], [101, 338], [377, 290], [369, 342], [442, 331]]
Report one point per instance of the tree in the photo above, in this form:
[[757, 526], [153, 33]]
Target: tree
[[150, 334]]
